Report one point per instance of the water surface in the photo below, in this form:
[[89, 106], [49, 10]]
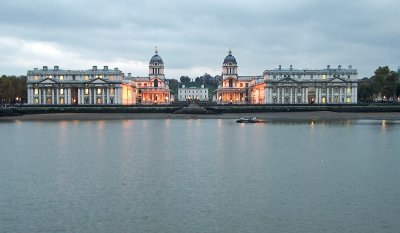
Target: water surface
[[199, 176]]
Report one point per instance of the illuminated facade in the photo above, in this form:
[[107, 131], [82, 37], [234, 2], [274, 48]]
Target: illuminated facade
[[325, 86], [236, 89], [154, 88], [78, 87]]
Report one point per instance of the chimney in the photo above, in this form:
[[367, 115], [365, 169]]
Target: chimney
[[129, 75], [291, 67], [35, 69], [105, 68], [328, 67], [340, 67], [115, 69], [94, 68], [44, 68], [350, 67], [280, 67], [56, 68]]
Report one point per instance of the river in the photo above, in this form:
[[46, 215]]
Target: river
[[199, 175]]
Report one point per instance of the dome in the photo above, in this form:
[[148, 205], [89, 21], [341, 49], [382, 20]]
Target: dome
[[156, 59], [230, 58]]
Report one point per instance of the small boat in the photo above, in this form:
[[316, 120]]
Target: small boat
[[247, 120]]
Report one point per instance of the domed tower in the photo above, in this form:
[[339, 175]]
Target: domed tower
[[229, 66], [156, 67]]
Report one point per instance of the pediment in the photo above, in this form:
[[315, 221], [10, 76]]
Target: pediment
[[337, 80], [99, 81], [287, 80], [48, 81]]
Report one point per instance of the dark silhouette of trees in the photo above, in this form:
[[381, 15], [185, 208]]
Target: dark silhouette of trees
[[12, 87]]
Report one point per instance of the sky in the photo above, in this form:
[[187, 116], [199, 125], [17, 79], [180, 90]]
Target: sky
[[193, 37]]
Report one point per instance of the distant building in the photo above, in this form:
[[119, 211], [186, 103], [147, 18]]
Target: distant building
[[236, 89], [192, 93], [78, 87], [154, 88], [325, 86]]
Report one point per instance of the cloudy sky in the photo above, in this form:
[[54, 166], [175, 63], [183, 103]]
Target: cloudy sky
[[193, 37]]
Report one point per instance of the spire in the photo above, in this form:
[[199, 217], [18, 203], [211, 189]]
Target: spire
[[156, 51], [230, 52]]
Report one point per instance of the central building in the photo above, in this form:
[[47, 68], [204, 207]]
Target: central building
[[154, 88], [236, 89]]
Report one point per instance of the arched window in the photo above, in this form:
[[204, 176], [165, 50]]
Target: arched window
[[230, 83], [155, 82]]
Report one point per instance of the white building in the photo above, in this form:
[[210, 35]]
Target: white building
[[78, 87], [193, 93], [325, 86]]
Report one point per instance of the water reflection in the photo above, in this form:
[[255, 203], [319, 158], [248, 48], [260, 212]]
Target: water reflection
[[158, 175]]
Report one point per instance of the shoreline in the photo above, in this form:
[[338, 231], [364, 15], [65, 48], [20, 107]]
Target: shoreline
[[267, 116]]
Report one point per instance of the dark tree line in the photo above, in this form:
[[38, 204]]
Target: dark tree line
[[11, 88], [383, 85]]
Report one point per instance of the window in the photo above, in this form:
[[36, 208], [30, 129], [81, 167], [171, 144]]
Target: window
[[230, 83], [61, 91], [36, 77], [112, 91], [36, 91], [73, 77], [86, 77], [99, 91], [86, 91], [61, 77], [241, 84], [323, 77], [299, 76], [48, 91]]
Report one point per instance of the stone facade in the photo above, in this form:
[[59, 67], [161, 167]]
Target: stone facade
[[78, 87], [325, 86], [192, 93]]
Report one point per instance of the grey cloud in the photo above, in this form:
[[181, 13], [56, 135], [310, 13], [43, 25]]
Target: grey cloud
[[262, 34]]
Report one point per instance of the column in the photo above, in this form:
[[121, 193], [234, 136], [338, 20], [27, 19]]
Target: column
[[90, 95], [306, 97], [108, 95], [45, 96], [102, 95], [69, 96], [95, 95], [40, 95], [320, 95], [340, 95], [295, 95], [52, 96], [278, 95], [79, 97], [290, 96]]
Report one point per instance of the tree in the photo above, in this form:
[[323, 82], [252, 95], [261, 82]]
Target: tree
[[185, 79]]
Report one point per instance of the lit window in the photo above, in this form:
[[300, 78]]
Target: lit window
[[323, 76], [86, 91], [86, 77], [36, 91], [99, 91], [111, 77], [348, 90], [112, 91], [61, 91], [61, 77], [36, 77]]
